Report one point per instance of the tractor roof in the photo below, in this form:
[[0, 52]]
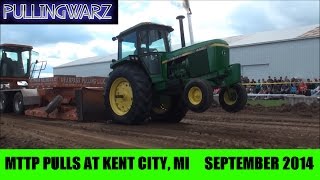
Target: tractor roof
[[16, 47], [145, 25]]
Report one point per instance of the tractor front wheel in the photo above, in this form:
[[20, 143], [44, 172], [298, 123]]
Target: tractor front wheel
[[233, 98], [5, 103], [18, 105], [128, 94], [198, 95]]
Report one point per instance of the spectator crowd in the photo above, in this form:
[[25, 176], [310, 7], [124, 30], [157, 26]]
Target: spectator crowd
[[281, 86]]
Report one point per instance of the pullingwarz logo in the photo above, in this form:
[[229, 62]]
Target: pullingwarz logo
[[59, 12]]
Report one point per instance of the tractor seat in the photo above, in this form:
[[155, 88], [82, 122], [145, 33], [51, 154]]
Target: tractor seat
[[17, 68], [7, 67]]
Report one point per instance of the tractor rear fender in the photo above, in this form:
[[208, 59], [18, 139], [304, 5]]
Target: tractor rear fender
[[131, 62], [30, 96], [123, 62]]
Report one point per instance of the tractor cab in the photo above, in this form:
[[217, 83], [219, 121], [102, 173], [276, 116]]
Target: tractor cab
[[146, 42], [15, 60], [15, 64]]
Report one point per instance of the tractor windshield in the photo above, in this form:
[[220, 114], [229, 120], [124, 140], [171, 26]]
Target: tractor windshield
[[14, 63], [128, 45], [144, 42], [154, 41]]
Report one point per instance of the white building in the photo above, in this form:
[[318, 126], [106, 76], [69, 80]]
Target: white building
[[291, 52], [91, 66]]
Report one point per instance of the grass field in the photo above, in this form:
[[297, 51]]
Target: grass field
[[267, 103]]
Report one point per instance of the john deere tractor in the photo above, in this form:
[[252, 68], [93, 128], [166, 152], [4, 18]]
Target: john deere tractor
[[149, 81]]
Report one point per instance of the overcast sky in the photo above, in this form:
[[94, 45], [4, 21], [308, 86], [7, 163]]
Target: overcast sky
[[59, 44]]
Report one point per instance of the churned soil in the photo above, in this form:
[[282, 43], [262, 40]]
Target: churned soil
[[254, 127]]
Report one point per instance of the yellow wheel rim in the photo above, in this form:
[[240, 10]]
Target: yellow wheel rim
[[230, 96], [195, 95], [120, 96]]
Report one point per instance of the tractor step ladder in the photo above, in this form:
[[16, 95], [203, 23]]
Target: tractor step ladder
[[37, 67]]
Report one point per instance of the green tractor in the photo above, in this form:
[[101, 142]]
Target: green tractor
[[151, 81]]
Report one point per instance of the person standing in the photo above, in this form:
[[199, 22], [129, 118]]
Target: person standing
[[302, 88], [258, 87], [286, 79], [310, 84], [293, 89]]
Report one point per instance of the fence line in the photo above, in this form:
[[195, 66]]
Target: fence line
[[293, 82]]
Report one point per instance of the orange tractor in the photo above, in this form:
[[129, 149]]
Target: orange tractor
[[61, 97]]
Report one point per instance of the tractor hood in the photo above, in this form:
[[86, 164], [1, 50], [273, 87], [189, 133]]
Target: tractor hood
[[194, 48]]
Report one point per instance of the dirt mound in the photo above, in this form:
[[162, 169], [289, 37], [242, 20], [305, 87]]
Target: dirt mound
[[211, 129], [299, 109], [255, 108]]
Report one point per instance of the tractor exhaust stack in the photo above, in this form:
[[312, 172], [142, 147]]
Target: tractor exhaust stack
[[180, 18]]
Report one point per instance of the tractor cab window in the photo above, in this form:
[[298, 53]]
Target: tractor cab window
[[156, 40], [14, 63], [25, 61], [153, 41], [34, 56], [12, 55], [169, 41], [143, 42], [128, 45]]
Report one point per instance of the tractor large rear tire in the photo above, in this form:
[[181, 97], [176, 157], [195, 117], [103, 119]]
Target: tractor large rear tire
[[128, 95], [233, 98], [171, 109]]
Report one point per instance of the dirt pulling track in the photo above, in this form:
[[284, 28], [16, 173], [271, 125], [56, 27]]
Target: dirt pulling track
[[254, 127]]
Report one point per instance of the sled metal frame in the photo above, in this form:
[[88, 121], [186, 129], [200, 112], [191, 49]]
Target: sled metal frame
[[82, 97]]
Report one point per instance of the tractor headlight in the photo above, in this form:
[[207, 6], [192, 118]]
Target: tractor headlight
[[5, 86], [22, 83]]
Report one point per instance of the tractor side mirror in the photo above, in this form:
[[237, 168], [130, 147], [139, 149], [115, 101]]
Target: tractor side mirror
[[114, 38]]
